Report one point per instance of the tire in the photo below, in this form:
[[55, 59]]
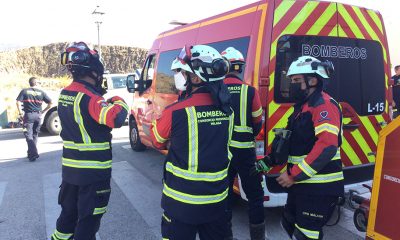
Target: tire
[[360, 220], [134, 138], [53, 124]]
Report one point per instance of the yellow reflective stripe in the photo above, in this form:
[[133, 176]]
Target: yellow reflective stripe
[[348, 149], [322, 20], [349, 20], [279, 124], [122, 104], [337, 155], [237, 144], [296, 159], [370, 128], [324, 178], [86, 163], [256, 113], [101, 210], [307, 169], [193, 139], [79, 120], [61, 236], [326, 127], [103, 114], [376, 19], [281, 10], [194, 199], [243, 105], [196, 176], [229, 155], [309, 233], [156, 134], [166, 218], [245, 129], [86, 146], [231, 121], [363, 145]]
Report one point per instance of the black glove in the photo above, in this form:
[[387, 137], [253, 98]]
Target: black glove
[[262, 165]]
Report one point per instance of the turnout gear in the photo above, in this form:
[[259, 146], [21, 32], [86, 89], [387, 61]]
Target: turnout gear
[[247, 124], [235, 59], [310, 65], [87, 120], [196, 168]]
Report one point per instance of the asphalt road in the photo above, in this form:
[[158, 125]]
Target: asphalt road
[[28, 194]]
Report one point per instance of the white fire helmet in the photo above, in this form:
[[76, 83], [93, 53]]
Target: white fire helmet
[[310, 65], [204, 61]]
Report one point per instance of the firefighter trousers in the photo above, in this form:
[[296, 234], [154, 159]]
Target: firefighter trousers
[[242, 161], [31, 128], [173, 229], [82, 209], [304, 215]]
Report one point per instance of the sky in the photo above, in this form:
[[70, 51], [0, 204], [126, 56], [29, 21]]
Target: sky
[[133, 22]]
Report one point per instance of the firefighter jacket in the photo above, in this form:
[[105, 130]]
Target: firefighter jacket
[[86, 121], [248, 113], [314, 146], [196, 167]]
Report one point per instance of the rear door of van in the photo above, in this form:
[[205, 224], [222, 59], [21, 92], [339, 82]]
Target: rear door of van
[[353, 39]]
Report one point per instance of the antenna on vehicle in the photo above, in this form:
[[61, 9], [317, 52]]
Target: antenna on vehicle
[[175, 22]]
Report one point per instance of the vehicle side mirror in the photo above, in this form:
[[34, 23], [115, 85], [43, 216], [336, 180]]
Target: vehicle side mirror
[[133, 85]]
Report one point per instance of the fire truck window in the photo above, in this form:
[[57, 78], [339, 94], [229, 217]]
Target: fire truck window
[[240, 44], [165, 77], [359, 77], [148, 71]]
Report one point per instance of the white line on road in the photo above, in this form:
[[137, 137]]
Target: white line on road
[[2, 190], [51, 183], [136, 189], [126, 146]]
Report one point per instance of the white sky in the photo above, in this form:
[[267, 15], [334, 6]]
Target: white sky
[[133, 22]]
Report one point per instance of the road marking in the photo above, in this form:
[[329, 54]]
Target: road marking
[[2, 190], [126, 146], [140, 193], [346, 222], [51, 187]]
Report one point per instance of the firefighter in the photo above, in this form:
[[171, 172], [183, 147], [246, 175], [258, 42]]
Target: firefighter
[[314, 175], [396, 89], [87, 120], [197, 131], [247, 124], [32, 99]]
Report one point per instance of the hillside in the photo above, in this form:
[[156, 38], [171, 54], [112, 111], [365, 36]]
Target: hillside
[[44, 61]]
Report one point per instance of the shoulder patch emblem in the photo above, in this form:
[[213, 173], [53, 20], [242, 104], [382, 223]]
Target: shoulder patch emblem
[[324, 116]]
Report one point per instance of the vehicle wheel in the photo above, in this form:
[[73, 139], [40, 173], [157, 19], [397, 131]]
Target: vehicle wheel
[[134, 138], [53, 124], [360, 220]]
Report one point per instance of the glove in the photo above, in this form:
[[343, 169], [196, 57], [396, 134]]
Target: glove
[[262, 165]]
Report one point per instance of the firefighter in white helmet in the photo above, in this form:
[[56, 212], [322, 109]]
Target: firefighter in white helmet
[[314, 176], [198, 129], [248, 118]]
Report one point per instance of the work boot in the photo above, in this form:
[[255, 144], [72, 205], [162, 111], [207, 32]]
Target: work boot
[[257, 231]]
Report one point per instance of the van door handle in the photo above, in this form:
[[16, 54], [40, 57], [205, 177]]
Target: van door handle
[[351, 126]]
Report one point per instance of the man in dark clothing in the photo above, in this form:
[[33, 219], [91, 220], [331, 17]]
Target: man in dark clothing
[[248, 120], [314, 176], [197, 130], [32, 99], [396, 89], [87, 120]]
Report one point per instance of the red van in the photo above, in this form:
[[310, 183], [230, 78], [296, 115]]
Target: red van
[[270, 34]]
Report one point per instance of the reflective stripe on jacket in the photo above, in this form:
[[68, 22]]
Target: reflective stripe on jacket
[[196, 168], [86, 120]]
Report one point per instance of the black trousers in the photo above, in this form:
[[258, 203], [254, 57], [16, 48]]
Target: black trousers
[[173, 229], [305, 215], [82, 209], [31, 128], [241, 163]]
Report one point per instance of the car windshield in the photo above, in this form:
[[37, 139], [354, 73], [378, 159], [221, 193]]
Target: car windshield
[[119, 81]]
